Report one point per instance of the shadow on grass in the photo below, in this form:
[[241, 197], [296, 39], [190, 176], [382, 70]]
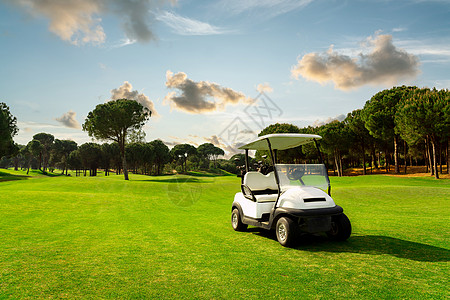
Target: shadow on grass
[[9, 177], [176, 180], [367, 244], [205, 174]]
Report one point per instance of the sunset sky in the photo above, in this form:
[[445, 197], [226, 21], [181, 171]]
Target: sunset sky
[[201, 66]]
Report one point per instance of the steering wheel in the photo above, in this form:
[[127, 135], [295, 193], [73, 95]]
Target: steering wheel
[[295, 174]]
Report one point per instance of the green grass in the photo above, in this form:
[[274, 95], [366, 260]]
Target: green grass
[[170, 237]]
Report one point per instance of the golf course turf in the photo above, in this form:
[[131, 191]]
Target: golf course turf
[[171, 237]]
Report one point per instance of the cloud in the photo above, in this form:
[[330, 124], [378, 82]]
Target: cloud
[[230, 150], [123, 43], [266, 8], [186, 26], [125, 92], [78, 21], [264, 87], [384, 64], [199, 97], [68, 120], [318, 123]]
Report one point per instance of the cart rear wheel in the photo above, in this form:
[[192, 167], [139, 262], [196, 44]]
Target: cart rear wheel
[[236, 221], [341, 228], [286, 231]]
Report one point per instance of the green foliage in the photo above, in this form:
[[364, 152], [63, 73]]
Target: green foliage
[[46, 141], [208, 152], [116, 121], [425, 113], [8, 129], [379, 112], [181, 152], [162, 155], [90, 155]]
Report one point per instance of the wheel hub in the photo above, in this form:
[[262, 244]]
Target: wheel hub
[[234, 220], [282, 232]]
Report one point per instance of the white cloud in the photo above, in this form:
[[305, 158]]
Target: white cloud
[[318, 122], [266, 8], [199, 97], [125, 91], [399, 29], [264, 87], [68, 119], [79, 22], [123, 43], [186, 26], [384, 64]]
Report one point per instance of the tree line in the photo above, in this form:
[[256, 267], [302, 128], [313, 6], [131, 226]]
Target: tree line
[[46, 153], [397, 127]]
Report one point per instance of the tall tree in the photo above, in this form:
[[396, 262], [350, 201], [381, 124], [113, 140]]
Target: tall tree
[[115, 121], [107, 156], [161, 155], [425, 114], [90, 155], [209, 152], [8, 129], [46, 140], [63, 148], [336, 141], [355, 123], [379, 114], [181, 152]]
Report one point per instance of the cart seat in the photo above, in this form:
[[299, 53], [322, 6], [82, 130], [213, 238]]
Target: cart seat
[[263, 187]]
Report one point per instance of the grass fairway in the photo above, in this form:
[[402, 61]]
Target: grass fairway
[[170, 237]]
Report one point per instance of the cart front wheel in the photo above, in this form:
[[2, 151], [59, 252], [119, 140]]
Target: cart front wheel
[[286, 231], [341, 228], [236, 221]]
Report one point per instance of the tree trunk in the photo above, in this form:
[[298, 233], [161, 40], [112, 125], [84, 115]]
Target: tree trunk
[[425, 157], [440, 157], [364, 158], [386, 160], [124, 166], [396, 169], [448, 155], [429, 156], [406, 154], [436, 175], [336, 163], [379, 159]]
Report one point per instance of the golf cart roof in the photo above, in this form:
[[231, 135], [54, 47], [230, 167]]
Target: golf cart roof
[[281, 141]]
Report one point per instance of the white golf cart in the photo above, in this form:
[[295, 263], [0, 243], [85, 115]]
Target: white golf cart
[[290, 198]]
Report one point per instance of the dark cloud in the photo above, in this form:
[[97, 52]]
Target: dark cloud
[[384, 64], [199, 97], [79, 22]]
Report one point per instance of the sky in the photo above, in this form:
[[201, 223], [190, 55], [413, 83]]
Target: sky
[[213, 71]]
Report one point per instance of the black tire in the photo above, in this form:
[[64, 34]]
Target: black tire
[[287, 231], [341, 228], [236, 221]]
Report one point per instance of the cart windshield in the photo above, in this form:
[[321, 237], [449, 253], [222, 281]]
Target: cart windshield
[[293, 175]]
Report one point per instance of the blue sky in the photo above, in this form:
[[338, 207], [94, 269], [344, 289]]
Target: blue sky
[[201, 65]]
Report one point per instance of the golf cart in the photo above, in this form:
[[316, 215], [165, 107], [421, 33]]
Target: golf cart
[[291, 198]]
